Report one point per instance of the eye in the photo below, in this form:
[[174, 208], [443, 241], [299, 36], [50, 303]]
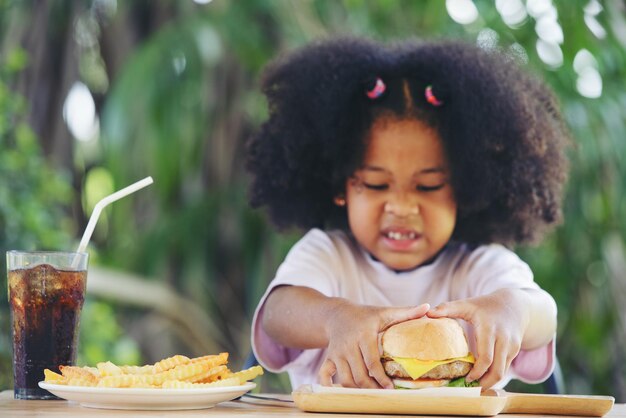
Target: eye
[[430, 188], [376, 186]]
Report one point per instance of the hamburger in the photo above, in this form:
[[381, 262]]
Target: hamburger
[[426, 352]]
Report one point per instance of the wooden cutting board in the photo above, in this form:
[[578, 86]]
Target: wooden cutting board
[[490, 403]]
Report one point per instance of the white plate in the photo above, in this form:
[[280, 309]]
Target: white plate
[[147, 399]]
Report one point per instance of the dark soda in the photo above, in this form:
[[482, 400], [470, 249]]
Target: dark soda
[[45, 304]]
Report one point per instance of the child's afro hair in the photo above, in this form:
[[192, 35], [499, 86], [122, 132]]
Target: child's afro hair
[[500, 126]]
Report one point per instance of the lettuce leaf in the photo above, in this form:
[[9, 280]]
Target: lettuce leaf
[[460, 382]]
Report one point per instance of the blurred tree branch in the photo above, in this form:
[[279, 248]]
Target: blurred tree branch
[[193, 324]]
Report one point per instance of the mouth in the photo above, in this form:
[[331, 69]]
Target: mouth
[[400, 238]]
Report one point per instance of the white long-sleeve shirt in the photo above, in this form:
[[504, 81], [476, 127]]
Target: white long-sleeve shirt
[[335, 265]]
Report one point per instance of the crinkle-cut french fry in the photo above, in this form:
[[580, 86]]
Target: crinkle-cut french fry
[[93, 370], [247, 374], [148, 369], [181, 372], [151, 379], [223, 358], [170, 363], [210, 374], [231, 381], [119, 381], [178, 384], [109, 369], [219, 376], [185, 371], [52, 377], [173, 372], [143, 385], [79, 381], [211, 361], [75, 372]]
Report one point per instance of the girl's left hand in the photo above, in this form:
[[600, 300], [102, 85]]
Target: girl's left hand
[[500, 320]]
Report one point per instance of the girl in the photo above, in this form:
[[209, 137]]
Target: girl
[[413, 166]]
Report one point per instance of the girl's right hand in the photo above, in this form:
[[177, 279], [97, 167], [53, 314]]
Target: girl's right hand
[[353, 358]]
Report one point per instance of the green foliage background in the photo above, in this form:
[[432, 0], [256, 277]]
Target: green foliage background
[[32, 194], [183, 102]]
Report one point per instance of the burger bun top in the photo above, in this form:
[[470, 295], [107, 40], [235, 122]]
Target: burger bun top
[[427, 339]]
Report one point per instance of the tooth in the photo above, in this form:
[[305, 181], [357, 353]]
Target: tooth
[[400, 235]]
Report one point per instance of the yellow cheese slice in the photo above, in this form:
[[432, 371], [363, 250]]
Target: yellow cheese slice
[[416, 368]]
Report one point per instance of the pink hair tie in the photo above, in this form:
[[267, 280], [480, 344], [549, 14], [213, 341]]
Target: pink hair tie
[[430, 97], [378, 89]]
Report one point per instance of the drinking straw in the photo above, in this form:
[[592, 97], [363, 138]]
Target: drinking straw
[[105, 201]]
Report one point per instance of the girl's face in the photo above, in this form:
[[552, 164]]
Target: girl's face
[[400, 203]]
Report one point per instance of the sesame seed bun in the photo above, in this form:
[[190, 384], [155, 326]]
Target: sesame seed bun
[[425, 339]]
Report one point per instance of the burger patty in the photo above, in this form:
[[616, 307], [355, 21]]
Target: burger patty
[[444, 371]]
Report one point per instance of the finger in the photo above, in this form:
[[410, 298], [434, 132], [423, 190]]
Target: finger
[[326, 373], [344, 375], [360, 372], [485, 341], [498, 367], [512, 354], [375, 369], [394, 316], [505, 352], [456, 309]]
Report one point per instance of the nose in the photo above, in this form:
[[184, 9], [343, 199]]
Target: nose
[[402, 206]]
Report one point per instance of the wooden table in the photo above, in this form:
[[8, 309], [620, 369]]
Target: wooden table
[[10, 407]]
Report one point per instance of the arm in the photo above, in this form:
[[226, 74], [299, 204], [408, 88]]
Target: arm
[[541, 319], [301, 317], [296, 316], [504, 321]]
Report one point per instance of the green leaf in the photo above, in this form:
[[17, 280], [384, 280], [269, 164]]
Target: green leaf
[[460, 382]]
